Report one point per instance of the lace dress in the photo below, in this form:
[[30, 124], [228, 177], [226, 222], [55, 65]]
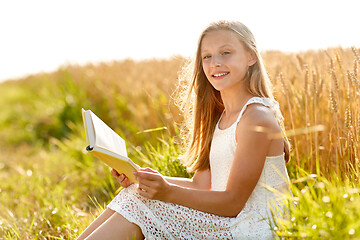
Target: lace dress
[[162, 220]]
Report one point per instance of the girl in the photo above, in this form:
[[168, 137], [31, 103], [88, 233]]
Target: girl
[[234, 153]]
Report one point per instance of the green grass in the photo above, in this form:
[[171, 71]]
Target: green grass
[[319, 208], [57, 192]]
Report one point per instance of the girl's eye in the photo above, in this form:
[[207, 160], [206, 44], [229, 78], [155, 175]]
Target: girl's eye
[[226, 53], [206, 57]]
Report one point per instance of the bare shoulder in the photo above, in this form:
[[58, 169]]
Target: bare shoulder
[[258, 115], [257, 122]]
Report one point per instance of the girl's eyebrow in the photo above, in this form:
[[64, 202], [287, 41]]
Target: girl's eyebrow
[[203, 51]]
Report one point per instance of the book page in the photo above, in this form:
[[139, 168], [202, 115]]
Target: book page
[[107, 138]]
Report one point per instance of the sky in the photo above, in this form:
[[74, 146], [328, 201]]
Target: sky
[[42, 35]]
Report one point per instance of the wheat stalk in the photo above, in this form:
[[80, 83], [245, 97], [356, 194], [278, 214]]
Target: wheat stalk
[[356, 54], [355, 68]]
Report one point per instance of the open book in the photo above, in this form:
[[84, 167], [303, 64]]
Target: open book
[[107, 145]]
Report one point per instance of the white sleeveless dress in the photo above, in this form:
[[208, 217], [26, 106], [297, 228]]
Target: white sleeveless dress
[[162, 220]]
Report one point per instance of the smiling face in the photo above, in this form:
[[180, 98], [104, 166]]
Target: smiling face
[[225, 60]]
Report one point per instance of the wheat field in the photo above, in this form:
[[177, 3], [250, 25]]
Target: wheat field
[[319, 95], [51, 189]]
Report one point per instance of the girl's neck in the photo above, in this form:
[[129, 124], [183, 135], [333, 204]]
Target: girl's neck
[[233, 105], [234, 101]]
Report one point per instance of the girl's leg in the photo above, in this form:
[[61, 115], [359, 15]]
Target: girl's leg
[[96, 223], [116, 227]]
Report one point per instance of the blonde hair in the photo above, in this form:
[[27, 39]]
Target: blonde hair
[[203, 104]]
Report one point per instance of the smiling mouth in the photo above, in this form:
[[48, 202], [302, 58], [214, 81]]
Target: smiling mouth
[[220, 74]]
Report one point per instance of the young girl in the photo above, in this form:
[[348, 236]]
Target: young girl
[[237, 151]]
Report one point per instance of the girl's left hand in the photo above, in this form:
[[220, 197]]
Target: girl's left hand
[[152, 184]]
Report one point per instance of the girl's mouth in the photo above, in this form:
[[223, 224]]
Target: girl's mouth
[[220, 74]]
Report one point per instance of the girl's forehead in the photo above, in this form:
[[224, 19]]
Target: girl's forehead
[[219, 38]]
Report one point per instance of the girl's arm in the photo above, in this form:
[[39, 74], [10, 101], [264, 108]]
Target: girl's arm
[[252, 148], [200, 180]]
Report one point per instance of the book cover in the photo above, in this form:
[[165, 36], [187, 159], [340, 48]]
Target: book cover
[[106, 145]]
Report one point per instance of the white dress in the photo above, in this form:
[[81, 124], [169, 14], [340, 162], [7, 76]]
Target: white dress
[[162, 220]]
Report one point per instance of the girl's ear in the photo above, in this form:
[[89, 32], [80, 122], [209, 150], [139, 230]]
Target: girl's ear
[[252, 58]]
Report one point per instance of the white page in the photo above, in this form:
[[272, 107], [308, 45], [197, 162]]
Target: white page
[[107, 138]]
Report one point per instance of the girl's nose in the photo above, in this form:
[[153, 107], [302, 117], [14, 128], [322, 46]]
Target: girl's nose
[[216, 61]]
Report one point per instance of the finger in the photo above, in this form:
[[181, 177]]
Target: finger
[[149, 176], [114, 173], [148, 170], [145, 193], [122, 177], [145, 185], [127, 183], [126, 179]]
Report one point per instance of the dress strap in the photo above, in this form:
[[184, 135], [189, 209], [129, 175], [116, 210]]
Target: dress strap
[[268, 102]]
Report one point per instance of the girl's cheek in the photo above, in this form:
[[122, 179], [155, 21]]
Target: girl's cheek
[[206, 69]]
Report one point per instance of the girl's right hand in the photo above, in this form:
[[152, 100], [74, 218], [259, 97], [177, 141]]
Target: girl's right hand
[[121, 178]]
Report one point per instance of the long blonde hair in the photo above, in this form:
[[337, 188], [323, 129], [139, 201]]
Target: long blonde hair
[[203, 104]]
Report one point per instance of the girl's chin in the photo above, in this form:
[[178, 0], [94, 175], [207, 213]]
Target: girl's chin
[[219, 88], [225, 87]]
